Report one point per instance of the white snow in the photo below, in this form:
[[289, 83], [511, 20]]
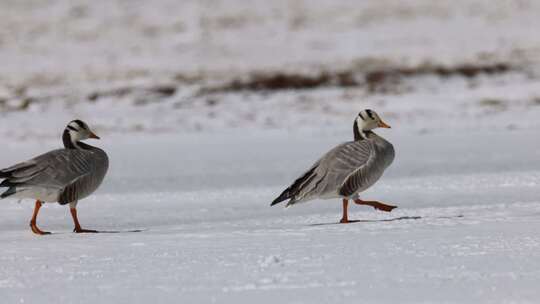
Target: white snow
[[186, 200], [465, 230]]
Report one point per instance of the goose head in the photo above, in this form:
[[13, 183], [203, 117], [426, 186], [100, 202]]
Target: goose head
[[366, 121], [75, 131]]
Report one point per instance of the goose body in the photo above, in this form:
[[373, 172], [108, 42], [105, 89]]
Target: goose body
[[64, 175], [346, 170]]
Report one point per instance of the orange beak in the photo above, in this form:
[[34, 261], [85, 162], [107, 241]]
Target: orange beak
[[382, 124], [93, 135]]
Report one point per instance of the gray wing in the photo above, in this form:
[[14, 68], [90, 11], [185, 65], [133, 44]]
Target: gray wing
[[342, 167], [358, 169], [332, 172], [69, 172]]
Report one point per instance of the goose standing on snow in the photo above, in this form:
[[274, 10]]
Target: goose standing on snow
[[64, 175], [348, 169]]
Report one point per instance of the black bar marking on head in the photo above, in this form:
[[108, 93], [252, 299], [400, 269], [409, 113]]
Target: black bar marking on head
[[80, 123], [360, 114], [71, 128], [370, 113]]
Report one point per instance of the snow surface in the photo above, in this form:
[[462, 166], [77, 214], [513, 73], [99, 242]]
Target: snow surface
[[466, 230], [186, 200]]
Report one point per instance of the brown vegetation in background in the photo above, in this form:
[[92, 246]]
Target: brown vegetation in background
[[375, 80], [381, 79]]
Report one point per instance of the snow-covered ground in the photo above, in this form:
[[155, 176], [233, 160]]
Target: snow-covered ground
[[195, 160], [466, 230]]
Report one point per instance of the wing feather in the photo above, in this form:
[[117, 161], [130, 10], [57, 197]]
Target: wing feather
[[344, 171], [60, 168], [55, 171], [329, 172], [359, 170]]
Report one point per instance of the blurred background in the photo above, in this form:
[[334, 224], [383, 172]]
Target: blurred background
[[208, 109], [135, 67]]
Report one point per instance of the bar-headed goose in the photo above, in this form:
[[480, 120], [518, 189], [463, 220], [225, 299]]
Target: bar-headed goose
[[346, 170], [64, 175]]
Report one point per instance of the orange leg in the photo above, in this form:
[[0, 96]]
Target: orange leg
[[376, 205], [345, 218], [78, 228], [33, 221]]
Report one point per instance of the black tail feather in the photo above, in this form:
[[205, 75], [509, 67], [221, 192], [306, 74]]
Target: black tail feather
[[6, 183], [285, 195], [294, 189], [9, 192]]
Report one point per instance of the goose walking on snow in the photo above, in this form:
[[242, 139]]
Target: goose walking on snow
[[64, 175], [346, 170]]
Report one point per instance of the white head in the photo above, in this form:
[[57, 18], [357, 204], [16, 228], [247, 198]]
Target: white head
[[75, 131], [367, 120]]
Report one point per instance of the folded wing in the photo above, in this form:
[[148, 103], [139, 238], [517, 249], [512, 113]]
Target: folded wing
[[58, 171], [339, 172]]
